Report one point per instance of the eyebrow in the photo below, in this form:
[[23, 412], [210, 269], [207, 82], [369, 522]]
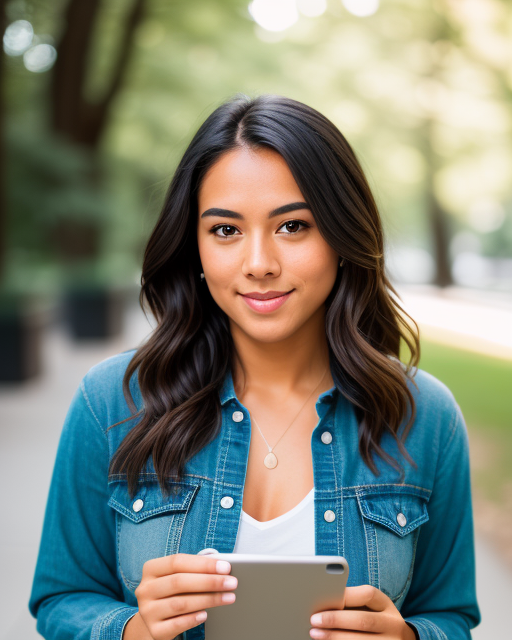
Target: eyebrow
[[227, 213]]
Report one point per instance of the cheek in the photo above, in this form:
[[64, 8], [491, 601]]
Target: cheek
[[222, 272], [317, 269], [221, 269], [216, 261]]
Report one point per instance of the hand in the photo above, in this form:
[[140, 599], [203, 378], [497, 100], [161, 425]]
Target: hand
[[368, 613], [175, 590]]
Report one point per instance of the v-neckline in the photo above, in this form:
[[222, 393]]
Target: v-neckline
[[279, 519]]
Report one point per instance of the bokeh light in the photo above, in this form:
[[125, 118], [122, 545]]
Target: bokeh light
[[312, 8], [40, 58], [470, 270], [361, 8], [18, 37], [486, 215], [410, 264], [274, 15]]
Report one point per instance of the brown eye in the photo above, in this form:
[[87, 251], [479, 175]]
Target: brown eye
[[294, 226], [226, 229]]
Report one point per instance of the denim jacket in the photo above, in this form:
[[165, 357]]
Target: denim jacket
[[411, 537]]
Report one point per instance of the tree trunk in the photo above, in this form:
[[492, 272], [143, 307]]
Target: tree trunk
[[70, 67], [3, 216], [441, 239], [81, 121], [437, 217]]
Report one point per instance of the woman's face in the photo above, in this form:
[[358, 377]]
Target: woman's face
[[250, 247]]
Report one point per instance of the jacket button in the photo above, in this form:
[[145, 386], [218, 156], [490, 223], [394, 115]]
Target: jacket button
[[326, 437], [137, 505], [227, 502], [329, 516], [401, 519], [237, 416]]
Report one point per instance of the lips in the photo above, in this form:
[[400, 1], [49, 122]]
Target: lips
[[268, 295], [266, 302]]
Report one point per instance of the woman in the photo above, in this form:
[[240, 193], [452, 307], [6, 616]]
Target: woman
[[266, 275]]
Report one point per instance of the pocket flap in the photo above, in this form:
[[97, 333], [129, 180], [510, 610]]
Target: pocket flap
[[400, 512], [149, 501]]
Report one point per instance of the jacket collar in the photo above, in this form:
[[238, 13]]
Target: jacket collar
[[227, 391]]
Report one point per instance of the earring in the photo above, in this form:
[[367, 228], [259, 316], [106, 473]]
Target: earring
[[201, 275], [341, 262]]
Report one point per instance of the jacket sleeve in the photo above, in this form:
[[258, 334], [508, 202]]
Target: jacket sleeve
[[76, 594], [441, 603]]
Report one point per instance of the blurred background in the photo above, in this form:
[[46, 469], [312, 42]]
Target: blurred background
[[99, 101]]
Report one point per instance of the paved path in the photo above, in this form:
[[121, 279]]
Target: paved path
[[479, 321], [31, 417]]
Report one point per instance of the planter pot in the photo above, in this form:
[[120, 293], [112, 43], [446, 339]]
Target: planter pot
[[21, 333], [94, 313]]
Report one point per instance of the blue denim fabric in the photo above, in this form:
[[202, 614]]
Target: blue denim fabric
[[94, 543]]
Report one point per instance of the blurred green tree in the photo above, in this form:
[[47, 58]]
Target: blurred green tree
[[421, 89]]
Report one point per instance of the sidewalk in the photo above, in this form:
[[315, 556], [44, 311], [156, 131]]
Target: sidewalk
[[479, 321], [31, 418], [32, 415]]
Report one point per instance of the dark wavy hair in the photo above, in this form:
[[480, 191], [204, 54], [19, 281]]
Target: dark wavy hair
[[182, 365]]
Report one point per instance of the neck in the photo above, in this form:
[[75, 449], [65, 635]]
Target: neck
[[296, 362]]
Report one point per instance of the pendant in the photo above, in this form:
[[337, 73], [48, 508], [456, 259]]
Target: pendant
[[270, 460]]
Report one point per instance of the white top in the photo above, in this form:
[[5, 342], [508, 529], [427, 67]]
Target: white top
[[291, 534]]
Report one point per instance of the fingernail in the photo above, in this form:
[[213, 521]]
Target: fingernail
[[228, 597], [223, 566], [201, 617], [317, 633], [230, 583], [316, 618]]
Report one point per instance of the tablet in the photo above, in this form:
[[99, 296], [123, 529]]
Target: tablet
[[277, 595]]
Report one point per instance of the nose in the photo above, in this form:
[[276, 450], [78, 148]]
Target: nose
[[260, 259]]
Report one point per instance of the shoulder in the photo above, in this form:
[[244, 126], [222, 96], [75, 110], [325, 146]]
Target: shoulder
[[438, 415], [426, 388], [102, 387], [109, 371]]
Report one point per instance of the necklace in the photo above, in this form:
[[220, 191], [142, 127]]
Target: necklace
[[270, 460]]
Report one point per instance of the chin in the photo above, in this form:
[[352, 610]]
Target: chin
[[272, 333]]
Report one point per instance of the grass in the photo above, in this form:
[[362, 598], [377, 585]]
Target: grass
[[482, 386]]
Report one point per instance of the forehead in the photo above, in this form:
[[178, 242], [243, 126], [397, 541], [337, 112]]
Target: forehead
[[247, 175]]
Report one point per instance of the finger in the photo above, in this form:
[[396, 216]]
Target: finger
[[184, 563], [366, 596], [182, 605], [326, 634], [176, 583], [353, 620], [166, 629]]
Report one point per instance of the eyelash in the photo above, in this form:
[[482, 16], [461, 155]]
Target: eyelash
[[222, 226]]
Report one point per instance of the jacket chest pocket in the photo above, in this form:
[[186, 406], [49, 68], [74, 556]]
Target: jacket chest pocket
[[148, 525], [392, 521]]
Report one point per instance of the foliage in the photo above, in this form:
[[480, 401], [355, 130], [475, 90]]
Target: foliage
[[422, 90], [59, 228]]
